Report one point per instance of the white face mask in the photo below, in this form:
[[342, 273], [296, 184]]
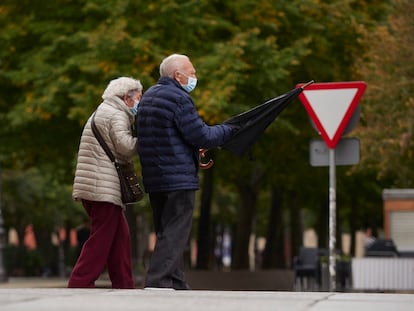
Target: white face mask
[[191, 84]]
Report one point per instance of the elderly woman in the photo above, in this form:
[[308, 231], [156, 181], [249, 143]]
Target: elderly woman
[[97, 186]]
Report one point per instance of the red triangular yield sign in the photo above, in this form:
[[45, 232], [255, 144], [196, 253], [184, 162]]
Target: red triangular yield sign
[[331, 105]]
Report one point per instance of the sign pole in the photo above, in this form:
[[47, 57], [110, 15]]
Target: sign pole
[[331, 122], [332, 220]]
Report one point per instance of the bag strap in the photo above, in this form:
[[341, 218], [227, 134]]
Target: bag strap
[[101, 140]]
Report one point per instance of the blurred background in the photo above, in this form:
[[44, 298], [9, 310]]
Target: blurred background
[[253, 213]]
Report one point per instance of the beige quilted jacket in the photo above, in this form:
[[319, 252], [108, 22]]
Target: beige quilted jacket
[[96, 178]]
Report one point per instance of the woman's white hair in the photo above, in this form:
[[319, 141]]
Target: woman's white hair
[[122, 86], [171, 64]]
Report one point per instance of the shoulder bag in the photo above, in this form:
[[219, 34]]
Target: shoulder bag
[[131, 191]]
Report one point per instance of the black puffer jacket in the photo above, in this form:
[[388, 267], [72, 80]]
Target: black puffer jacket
[[170, 133]]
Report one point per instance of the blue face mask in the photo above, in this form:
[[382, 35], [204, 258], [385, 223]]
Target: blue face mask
[[134, 109], [191, 84]]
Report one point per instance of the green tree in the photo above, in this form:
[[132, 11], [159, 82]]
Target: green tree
[[309, 40], [388, 114], [59, 58]]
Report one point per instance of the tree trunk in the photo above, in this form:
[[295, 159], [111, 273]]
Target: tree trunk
[[248, 197], [296, 226], [352, 225], [322, 225], [338, 232], [204, 245], [273, 255]]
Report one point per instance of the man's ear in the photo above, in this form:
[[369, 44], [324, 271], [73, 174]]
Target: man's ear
[[176, 74]]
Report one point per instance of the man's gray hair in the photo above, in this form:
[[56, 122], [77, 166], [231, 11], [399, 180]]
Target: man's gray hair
[[171, 64], [123, 86]]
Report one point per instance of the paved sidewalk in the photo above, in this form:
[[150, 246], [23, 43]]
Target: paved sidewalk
[[45, 299], [50, 294], [49, 282]]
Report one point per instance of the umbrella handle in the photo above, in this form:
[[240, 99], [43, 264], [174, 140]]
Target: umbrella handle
[[208, 164]]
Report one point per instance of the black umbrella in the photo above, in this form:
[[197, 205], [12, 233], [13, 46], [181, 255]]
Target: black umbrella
[[253, 122]]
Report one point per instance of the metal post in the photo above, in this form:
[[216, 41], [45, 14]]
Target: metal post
[[332, 220], [3, 274]]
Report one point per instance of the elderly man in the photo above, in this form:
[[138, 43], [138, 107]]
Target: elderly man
[[170, 134]]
